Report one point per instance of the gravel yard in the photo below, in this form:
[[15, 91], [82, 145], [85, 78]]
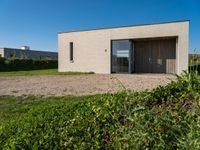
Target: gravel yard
[[60, 85]]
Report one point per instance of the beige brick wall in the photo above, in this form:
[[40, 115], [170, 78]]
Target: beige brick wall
[[92, 48]]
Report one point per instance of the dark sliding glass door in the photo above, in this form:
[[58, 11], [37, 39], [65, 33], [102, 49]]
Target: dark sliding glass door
[[122, 52]]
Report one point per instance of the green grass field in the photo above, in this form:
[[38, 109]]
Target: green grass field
[[11, 106], [164, 118], [40, 72]]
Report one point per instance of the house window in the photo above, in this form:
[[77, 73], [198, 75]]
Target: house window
[[71, 51]]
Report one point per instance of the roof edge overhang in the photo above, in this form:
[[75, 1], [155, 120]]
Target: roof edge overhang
[[126, 26]]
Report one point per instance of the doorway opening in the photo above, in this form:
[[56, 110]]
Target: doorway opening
[[152, 55]]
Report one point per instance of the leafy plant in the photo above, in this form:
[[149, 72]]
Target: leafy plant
[[165, 118], [16, 64]]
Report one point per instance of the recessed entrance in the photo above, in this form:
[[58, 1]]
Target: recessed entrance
[[144, 56]]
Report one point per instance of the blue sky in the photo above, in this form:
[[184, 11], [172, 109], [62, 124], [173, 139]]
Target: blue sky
[[36, 22]]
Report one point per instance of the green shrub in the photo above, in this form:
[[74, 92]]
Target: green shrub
[[2, 62], [15, 64], [194, 62], [165, 118], [195, 67]]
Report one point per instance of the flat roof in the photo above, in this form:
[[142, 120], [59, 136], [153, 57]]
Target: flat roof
[[18, 49], [125, 26]]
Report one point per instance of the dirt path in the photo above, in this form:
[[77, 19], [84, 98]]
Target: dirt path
[[59, 85]]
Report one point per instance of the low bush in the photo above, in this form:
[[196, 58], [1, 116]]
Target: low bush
[[194, 63], [15, 64], [165, 118], [195, 67], [2, 63]]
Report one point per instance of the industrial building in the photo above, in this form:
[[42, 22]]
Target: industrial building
[[26, 53]]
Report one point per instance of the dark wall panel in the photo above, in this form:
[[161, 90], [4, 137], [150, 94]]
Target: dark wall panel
[[155, 56]]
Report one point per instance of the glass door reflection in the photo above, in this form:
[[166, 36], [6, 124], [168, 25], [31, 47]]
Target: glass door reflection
[[121, 56]]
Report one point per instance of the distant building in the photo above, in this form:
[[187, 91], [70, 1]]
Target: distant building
[[25, 52]]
